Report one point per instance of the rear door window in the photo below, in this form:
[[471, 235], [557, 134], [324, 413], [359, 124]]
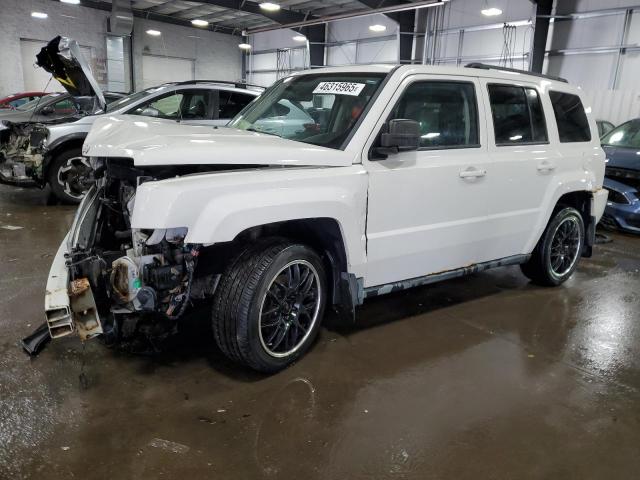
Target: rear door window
[[231, 103], [517, 115], [571, 118]]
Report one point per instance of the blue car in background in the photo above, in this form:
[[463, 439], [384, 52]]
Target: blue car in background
[[622, 176]]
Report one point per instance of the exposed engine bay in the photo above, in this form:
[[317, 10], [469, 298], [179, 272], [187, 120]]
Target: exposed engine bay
[[22, 148], [23, 143], [138, 278]]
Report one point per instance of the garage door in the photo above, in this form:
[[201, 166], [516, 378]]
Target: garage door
[[35, 78], [158, 70]]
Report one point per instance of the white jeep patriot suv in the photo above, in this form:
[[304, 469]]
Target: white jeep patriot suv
[[336, 185]]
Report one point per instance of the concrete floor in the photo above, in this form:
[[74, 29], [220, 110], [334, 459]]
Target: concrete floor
[[482, 377]]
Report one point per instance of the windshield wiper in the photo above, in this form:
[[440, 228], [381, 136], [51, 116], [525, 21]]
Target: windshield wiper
[[251, 129]]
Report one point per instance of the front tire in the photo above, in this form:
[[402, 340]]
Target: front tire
[[70, 175], [269, 304], [558, 251]]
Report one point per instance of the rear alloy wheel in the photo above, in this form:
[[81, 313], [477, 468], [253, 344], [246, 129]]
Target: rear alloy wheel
[[70, 176], [556, 256], [269, 304]]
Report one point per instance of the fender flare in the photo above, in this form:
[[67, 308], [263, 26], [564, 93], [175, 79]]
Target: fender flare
[[217, 207], [59, 144]]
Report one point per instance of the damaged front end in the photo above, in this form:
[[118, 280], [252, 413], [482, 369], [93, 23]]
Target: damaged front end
[[22, 150], [110, 279]]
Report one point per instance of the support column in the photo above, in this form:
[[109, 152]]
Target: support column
[[407, 25], [316, 35], [543, 10]]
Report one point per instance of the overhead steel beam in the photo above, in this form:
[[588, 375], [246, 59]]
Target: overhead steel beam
[[98, 5], [281, 16], [376, 4], [359, 13]]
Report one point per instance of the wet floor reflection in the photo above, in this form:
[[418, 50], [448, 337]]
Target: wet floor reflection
[[482, 377]]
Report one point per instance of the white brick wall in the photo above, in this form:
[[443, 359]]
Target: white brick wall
[[88, 28], [216, 55]]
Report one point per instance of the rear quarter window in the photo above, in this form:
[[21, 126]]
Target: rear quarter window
[[571, 118]]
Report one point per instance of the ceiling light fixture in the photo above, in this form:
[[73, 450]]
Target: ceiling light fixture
[[72, 2], [269, 6], [39, 15], [244, 46], [491, 12], [300, 38], [377, 28], [154, 33], [199, 23]]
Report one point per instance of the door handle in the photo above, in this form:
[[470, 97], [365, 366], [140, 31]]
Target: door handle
[[546, 166], [472, 172]]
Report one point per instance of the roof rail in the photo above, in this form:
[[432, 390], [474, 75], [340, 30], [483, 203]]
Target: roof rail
[[222, 82], [484, 66]]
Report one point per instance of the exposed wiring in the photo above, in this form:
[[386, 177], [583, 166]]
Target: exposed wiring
[[509, 47]]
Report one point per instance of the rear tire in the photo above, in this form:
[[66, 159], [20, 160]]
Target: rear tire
[[269, 304], [67, 175], [558, 251]]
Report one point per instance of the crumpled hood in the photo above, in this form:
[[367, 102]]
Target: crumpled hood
[[62, 58], [151, 141]]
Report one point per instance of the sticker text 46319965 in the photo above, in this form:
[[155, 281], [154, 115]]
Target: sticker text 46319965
[[339, 88]]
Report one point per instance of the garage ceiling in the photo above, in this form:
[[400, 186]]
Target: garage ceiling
[[236, 15]]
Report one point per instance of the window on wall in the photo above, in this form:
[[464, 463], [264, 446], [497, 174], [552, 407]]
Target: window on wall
[[517, 115], [571, 118], [446, 112]]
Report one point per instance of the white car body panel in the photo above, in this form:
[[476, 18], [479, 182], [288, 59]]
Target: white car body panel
[[404, 217], [163, 142], [216, 207], [447, 225]]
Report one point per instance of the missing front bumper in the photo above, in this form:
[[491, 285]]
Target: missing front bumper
[[57, 306], [69, 307]]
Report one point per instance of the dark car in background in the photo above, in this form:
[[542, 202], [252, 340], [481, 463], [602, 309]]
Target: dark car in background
[[17, 99], [622, 176], [604, 127]]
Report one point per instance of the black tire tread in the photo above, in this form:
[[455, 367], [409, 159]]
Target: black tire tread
[[234, 295], [535, 268]]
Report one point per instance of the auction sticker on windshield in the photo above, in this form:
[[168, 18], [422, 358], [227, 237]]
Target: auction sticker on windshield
[[340, 88]]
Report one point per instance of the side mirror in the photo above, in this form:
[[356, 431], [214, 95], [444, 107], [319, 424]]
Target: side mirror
[[150, 112], [402, 135], [47, 110]]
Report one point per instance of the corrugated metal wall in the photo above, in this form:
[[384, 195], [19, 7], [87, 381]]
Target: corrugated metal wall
[[616, 106]]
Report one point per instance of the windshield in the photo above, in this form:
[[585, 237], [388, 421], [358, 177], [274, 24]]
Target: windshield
[[626, 135], [131, 99], [25, 107], [320, 109]]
